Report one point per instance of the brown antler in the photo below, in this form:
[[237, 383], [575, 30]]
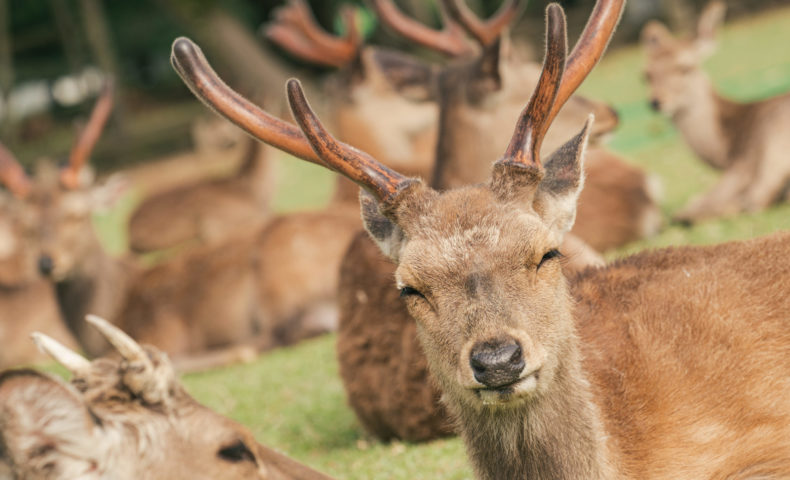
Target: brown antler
[[69, 176], [354, 164], [449, 41], [193, 68], [486, 32], [12, 175], [559, 79], [296, 30]]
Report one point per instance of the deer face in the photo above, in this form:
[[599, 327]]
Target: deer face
[[125, 418], [673, 72], [17, 255], [480, 271]]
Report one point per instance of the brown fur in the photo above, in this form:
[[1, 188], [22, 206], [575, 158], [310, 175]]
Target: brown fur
[[104, 424], [745, 140], [27, 301], [207, 211]]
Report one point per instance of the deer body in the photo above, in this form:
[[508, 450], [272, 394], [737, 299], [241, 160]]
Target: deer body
[[208, 211], [745, 140]]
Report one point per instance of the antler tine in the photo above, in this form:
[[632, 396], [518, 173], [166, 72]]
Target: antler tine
[[485, 32], [130, 350], [90, 135], [355, 164], [525, 144], [12, 175], [588, 49], [449, 41], [73, 361], [296, 30], [203, 81]]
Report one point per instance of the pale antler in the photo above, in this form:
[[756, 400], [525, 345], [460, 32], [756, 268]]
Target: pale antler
[[296, 30], [87, 139], [12, 175], [73, 361], [193, 68], [486, 32], [449, 41], [555, 85]]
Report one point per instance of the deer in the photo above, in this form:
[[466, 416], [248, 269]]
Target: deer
[[27, 301], [744, 140], [672, 363], [124, 416], [206, 211]]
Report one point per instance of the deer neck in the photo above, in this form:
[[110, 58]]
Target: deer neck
[[706, 126], [255, 171], [557, 436], [98, 287]]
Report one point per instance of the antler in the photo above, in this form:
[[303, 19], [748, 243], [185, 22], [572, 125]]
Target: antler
[[486, 32], [12, 175], [82, 148], [73, 361], [559, 79], [318, 147], [296, 30], [449, 41]]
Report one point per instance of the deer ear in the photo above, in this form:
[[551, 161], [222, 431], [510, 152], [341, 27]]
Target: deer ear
[[43, 422], [105, 196], [407, 75], [709, 21], [555, 200], [656, 37], [387, 235]]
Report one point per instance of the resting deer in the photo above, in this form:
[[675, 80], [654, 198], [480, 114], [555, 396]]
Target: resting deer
[[27, 301], [745, 140], [674, 364], [122, 418], [206, 211], [175, 305]]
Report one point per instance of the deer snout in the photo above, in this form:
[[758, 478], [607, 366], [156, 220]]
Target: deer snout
[[655, 104], [45, 265], [497, 364]]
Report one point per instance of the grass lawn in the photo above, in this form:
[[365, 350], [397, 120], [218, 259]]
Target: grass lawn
[[293, 399]]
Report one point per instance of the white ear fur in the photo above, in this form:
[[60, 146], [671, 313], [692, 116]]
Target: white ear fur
[[559, 190], [105, 196], [387, 235], [45, 426]]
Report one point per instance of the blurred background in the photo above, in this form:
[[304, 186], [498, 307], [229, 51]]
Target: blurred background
[[53, 54]]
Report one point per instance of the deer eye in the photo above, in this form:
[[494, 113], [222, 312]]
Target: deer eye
[[235, 453], [553, 253], [409, 292]]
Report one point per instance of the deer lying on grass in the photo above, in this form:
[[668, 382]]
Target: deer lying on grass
[[27, 301], [126, 418], [675, 363], [747, 141], [207, 211]]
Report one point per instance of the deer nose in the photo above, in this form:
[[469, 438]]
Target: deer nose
[[655, 104], [496, 364], [45, 264]]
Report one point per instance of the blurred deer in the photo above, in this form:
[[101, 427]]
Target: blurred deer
[[122, 418], [745, 140], [634, 383], [207, 211], [27, 301]]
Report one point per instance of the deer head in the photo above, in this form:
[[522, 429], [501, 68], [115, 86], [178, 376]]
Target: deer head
[[17, 255], [674, 66], [479, 265], [125, 418]]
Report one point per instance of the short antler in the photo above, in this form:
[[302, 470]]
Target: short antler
[[486, 32], [296, 30], [83, 147], [559, 79], [449, 41], [315, 146], [12, 175], [73, 361]]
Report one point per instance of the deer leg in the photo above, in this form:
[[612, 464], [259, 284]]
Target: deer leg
[[725, 198], [769, 186]]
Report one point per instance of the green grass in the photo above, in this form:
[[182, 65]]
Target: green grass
[[293, 399]]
